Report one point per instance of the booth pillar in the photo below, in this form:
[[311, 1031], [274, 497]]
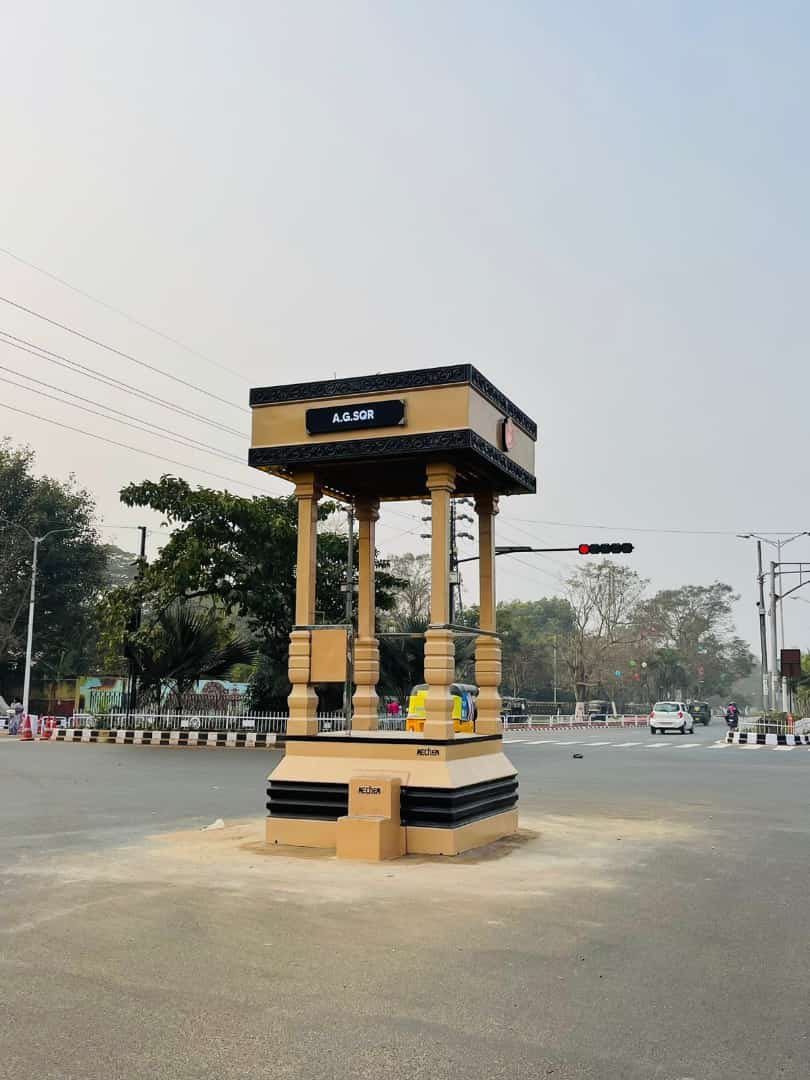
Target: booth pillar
[[440, 652], [487, 648], [303, 700], [367, 648]]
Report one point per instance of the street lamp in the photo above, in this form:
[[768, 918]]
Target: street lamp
[[779, 543], [36, 541]]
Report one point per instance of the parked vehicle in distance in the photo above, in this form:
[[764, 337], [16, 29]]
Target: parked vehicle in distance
[[701, 712], [599, 711], [671, 716]]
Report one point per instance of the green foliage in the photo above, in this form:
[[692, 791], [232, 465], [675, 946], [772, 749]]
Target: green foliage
[[687, 636], [402, 660], [70, 577], [268, 686], [528, 629], [604, 599], [241, 553], [803, 687], [185, 643]]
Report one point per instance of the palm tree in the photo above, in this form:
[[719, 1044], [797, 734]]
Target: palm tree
[[185, 643]]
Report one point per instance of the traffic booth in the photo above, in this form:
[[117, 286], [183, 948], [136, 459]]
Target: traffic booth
[[432, 434]]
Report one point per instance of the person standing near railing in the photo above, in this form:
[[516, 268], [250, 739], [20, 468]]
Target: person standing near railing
[[16, 717]]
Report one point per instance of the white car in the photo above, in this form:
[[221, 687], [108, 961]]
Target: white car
[[671, 716]]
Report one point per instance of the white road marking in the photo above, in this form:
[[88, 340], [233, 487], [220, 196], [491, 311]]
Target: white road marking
[[689, 745], [618, 744], [656, 745], [599, 744], [541, 742], [572, 742]]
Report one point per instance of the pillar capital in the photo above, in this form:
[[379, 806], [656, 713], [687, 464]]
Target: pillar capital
[[306, 485], [366, 508], [486, 502], [441, 476]]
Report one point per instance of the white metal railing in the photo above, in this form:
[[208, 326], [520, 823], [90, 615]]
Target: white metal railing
[[268, 722], [537, 723]]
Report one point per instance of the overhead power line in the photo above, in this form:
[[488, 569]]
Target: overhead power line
[[120, 352], [636, 528], [123, 314], [134, 449], [191, 444], [31, 347]]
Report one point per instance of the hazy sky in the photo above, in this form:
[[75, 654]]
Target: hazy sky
[[602, 206]]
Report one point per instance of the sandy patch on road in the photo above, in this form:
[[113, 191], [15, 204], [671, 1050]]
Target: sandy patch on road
[[548, 855]]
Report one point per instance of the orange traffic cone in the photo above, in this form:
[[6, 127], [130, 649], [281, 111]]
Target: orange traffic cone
[[46, 727], [26, 735]]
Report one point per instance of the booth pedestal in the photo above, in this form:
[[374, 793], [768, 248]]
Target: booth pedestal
[[377, 795]]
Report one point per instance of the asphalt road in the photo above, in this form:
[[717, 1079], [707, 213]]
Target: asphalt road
[[649, 924]]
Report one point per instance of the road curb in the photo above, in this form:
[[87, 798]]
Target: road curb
[[206, 740], [752, 738]]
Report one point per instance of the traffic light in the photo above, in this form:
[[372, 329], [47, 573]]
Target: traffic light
[[605, 549]]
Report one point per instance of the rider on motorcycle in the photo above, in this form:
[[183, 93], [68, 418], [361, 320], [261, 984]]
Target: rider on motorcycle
[[732, 714]]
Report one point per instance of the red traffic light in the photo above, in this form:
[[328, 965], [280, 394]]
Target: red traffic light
[[605, 549]]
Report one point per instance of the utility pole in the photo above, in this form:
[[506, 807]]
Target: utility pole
[[763, 630], [771, 678], [555, 674], [349, 616], [132, 689], [454, 578], [774, 664]]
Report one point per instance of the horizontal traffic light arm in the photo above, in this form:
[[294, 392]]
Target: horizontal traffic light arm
[[582, 549], [605, 549]]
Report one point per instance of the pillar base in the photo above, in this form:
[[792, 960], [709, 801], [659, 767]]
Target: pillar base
[[455, 794]]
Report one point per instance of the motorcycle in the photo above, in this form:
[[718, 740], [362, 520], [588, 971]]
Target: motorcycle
[[732, 720]]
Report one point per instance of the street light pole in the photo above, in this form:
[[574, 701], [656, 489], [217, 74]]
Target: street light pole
[[770, 679], [774, 665], [30, 641], [763, 630], [29, 645]]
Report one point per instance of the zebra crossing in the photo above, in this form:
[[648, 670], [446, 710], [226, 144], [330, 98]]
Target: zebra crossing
[[620, 742], [673, 743]]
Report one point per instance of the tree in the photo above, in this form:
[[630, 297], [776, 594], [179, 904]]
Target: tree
[[604, 599], [803, 687], [528, 629], [693, 627], [241, 553], [412, 598], [70, 572], [402, 660], [186, 642]]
